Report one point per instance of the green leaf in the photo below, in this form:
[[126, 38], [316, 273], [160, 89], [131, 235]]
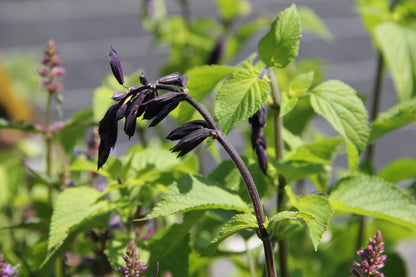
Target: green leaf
[[373, 196], [282, 216], [373, 13], [397, 42], [237, 223], [339, 104], [192, 193], [280, 45], [297, 87], [313, 23], [21, 126], [316, 210], [241, 95], [396, 117], [203, 80], [399, 170], [231, 9], [320, 151], [74, 208], [171, 246], [295, 170]]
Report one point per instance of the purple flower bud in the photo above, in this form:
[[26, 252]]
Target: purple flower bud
[[187, 128], [192, 140], [107, 130], [174, 79], [117, 96], [122, 111], [258, 139], [143, 79], [116, 66], [131, 115], [160, 106]]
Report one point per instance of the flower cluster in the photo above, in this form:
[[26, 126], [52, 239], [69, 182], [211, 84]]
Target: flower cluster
[[372, 258], [6, 269], [258, 139], [145, 101], [132, 268], [51, 69]]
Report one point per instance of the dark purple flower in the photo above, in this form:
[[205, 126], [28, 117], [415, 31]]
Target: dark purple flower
[[160, 106], [192, 140], [143, 79], [107, 130], [371, 258], [131, 115], [258, 139], [132, 267], [115, 65], [187, 128], [174, 79]]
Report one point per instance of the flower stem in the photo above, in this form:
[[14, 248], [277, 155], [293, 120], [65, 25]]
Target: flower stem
[[249, 182], [279, 146], [48, 142]]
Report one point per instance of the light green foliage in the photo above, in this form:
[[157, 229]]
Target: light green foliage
[[373, 196], [316, 210], [192, 193], [313, 23], [280, 45], [399, 170], [397, 42], [21, 126], [75, 209], [297, 87], [339, 104], [241, 95], [237, 223], [282, 216], [199, 85], [231, 9], [394, 118], [294, 170], [373, 13]]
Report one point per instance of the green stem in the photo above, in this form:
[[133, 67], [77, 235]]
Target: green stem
[[279, 147], [250, 261], [48, 142]]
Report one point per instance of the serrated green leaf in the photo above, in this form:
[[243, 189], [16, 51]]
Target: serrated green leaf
[[396, 117], [399, 170], [191, 193], [74, 207], [295, 170], [339, 104], [237, 223], [300, 84], [281, 216], [397, 43], [320, 151], [203, 80], [373, 196], [313, 23], [287, 104], [280, 45], [316, 210], [241, 95]]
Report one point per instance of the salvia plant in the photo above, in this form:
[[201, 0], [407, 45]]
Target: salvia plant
[[185, 193]]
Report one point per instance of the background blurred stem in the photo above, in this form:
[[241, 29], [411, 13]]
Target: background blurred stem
[[48, 142], [279, 147]]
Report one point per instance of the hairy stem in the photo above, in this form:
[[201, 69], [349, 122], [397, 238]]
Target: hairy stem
[[249, 182], [279, 146]]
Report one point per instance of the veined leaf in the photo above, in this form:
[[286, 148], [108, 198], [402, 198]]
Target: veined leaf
[[399, 170], [280, 45], [339, 104], [192, 193], [316, 210], [281, 216], [241, 95], [320, 151], [396, 117], [397, 42], [373, 196], [199, 85], [237, 223], [313, 23], [295, 170], [73, 209]]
